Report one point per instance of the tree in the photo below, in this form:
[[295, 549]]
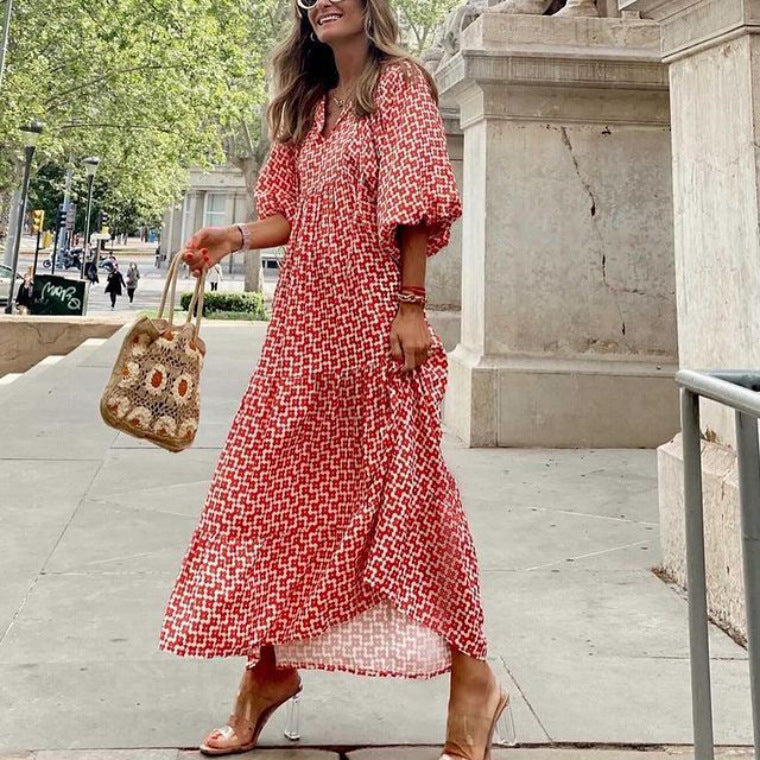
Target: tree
[[418, 20], [149, 86]]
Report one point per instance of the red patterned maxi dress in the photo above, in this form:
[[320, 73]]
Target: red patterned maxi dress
[[333, 529]]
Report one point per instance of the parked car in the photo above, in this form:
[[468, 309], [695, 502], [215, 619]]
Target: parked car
[[5, 283]]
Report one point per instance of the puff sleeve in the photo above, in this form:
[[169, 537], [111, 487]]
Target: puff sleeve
[[276, 188], [415, 181]]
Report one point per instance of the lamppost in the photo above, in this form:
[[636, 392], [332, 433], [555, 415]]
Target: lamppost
[[91, 166], [31, 133], [5, 36]]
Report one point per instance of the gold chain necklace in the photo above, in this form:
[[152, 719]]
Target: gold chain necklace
[[340, 101]]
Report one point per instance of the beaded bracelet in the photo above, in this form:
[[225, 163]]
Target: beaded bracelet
[[416, 298], [245, 232]]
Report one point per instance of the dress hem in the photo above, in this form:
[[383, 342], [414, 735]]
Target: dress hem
[[324, 666]]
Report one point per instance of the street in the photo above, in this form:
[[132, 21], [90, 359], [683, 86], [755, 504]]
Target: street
[[151, 284]]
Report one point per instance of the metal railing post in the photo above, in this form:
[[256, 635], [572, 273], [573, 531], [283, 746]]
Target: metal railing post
[[701, 699], [749, 497]]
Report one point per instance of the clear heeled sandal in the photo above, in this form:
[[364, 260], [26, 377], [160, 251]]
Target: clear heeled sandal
[[293, 718], [470, 737], [253, 712], [505, 734]]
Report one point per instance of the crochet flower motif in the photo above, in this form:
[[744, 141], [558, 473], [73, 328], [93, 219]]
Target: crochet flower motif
[[167, 340], [118, 405], [140, 344], [130, 373], [182, 388], [193, 352], [155, 380], [140, 417], [164, 426], [187, 429]]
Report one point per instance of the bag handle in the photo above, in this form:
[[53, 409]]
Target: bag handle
[[170, 290]]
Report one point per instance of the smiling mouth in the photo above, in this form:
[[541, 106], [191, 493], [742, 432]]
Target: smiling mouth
[[328, 19]]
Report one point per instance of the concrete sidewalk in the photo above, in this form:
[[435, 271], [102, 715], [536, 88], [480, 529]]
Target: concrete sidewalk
[[592, 645]]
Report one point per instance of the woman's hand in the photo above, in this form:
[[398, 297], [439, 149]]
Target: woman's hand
[[209, 246], [410, 337]]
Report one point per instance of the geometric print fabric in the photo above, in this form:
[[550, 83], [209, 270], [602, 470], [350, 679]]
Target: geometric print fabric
[[333, 528]]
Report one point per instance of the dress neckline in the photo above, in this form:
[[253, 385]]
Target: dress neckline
[[321, 118]]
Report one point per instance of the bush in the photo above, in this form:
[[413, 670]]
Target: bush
[[246, 316], [249, 304]]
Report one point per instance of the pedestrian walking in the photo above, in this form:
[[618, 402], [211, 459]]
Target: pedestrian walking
[[133, 275], [214, 276], [115, 284], [25, 295], [333, 534]]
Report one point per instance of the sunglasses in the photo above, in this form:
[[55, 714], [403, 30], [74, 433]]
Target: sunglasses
[[307, 5]]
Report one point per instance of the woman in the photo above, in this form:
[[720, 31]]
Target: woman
[[333, 535], [133, 275], [25, 295], [115, 284], [214, 276]]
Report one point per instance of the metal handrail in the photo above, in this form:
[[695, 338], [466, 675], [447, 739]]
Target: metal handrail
[[740, 390]]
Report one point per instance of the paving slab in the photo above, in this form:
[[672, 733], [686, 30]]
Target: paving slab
[[272, 754], [629, 700], [530, 538], [114, 538], [553, 753], [595, 612], [132, 471], [112, 754], [83, 619]]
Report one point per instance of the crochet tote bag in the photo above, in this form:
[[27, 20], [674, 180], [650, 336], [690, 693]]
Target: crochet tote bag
[[153, 391]]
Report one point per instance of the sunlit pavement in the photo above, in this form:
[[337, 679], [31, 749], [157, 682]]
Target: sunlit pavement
[[592, 646]]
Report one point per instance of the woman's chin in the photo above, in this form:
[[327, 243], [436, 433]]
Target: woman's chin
[[331, 36]]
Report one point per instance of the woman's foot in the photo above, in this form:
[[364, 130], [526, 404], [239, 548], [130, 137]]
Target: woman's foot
[[262, 690], [476, 702]]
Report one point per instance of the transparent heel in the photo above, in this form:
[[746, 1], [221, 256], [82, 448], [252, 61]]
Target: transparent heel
[[504, 733], [293, 718]]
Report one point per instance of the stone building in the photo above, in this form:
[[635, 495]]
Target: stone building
[[213, 198], [609, 166]]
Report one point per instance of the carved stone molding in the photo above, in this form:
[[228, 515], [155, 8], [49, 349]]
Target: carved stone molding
[[534, 55], [689, 26]]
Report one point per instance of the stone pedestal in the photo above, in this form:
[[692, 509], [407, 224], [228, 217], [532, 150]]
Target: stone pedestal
[[713, 53], [444, 270], [568, 307]]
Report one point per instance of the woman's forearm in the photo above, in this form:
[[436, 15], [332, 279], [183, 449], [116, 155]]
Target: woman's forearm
[[265, 233], [413, 245]]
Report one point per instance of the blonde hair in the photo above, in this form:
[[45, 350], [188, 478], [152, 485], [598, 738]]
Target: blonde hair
[[304, 69]]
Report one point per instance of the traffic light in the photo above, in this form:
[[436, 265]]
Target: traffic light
[[38, 220], [60, 219], [104, 217]]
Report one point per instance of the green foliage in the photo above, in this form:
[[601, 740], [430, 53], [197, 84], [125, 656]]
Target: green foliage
[[218, 302], [231, 316], [418, 20], [150, 87]]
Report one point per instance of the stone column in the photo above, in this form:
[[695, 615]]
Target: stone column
[[713, 53], [444, 270], [568, 312]]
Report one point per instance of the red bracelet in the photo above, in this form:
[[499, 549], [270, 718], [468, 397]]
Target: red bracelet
[[413, 289]]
